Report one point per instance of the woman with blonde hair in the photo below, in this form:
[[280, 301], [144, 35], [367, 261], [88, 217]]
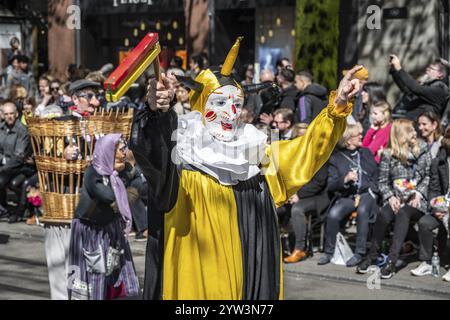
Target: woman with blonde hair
[[407, 160], [17, 92], [376, 138]]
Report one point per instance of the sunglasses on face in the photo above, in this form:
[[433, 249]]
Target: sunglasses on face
[[55, 88], [89, 96]]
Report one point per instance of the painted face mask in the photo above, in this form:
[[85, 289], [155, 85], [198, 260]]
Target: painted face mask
[[222, 111], [218, 97]]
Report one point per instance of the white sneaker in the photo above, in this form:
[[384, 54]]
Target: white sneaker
[[446, 277], [422, 270]]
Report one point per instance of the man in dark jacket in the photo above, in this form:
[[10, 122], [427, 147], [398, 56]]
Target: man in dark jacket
[[312, 197], [429, 95], [289, 92], [14, 147], [312, 98]]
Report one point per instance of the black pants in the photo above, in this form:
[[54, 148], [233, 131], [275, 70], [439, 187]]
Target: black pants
[[5, 179], [341, 210], [139, 214], [284, 215], [298, 216], [402, 219], [138, 208], [426, 226]]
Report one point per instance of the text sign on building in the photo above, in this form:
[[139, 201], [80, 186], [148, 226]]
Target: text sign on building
[[117, 3], [395, 13]]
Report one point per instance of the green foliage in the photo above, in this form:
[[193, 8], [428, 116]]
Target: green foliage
[[317, 39]]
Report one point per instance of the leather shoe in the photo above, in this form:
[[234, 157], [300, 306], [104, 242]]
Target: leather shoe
[[296, 256], [324, 259]]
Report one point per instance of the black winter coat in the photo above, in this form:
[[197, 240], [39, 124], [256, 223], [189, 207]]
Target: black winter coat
[[431, 96], [317, 185], [340, 166], [310, 103], [97, 197], [439, 176]]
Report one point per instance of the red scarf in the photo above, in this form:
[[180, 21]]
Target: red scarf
[[83, 114]]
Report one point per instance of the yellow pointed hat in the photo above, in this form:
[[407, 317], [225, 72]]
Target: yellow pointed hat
[[228, 65], [207, 81]]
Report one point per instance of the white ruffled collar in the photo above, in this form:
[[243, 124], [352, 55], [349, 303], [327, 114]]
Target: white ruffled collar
[[228, 162]]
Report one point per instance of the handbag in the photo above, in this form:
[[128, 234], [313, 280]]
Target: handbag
[[342, 251], [95, 260]]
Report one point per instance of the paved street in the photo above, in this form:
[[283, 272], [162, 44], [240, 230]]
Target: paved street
[[23, 274]]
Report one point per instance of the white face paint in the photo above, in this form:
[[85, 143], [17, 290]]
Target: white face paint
[[222, 111]]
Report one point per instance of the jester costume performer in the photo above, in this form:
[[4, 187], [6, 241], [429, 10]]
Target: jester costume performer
[[214, 186]]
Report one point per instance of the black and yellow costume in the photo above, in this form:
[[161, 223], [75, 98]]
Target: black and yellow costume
[[221, 241]]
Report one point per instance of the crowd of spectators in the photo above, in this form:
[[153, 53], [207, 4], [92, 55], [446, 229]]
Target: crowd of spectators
[[383, 144]]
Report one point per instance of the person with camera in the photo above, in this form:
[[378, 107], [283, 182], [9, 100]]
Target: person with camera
[[430, 95], [286, 79]]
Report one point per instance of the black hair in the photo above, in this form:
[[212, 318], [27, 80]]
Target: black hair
[[280, 61], [375, 91], [198, 60], [13, 39], [23, 58], [288, 74], [178, 61]]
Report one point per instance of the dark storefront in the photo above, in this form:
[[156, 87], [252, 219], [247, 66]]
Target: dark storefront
[[112, 27], [30, 17]]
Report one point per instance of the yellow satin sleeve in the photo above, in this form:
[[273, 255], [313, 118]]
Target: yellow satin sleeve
[[293, 163]]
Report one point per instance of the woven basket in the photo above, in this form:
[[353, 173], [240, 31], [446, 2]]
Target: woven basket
[[60, 180]]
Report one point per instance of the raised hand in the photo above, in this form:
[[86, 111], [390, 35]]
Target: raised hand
[[348, 87], [266, 118], [160, 93], [395, 62]]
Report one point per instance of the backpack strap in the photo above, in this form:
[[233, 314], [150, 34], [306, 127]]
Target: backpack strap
[[301, 103]]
